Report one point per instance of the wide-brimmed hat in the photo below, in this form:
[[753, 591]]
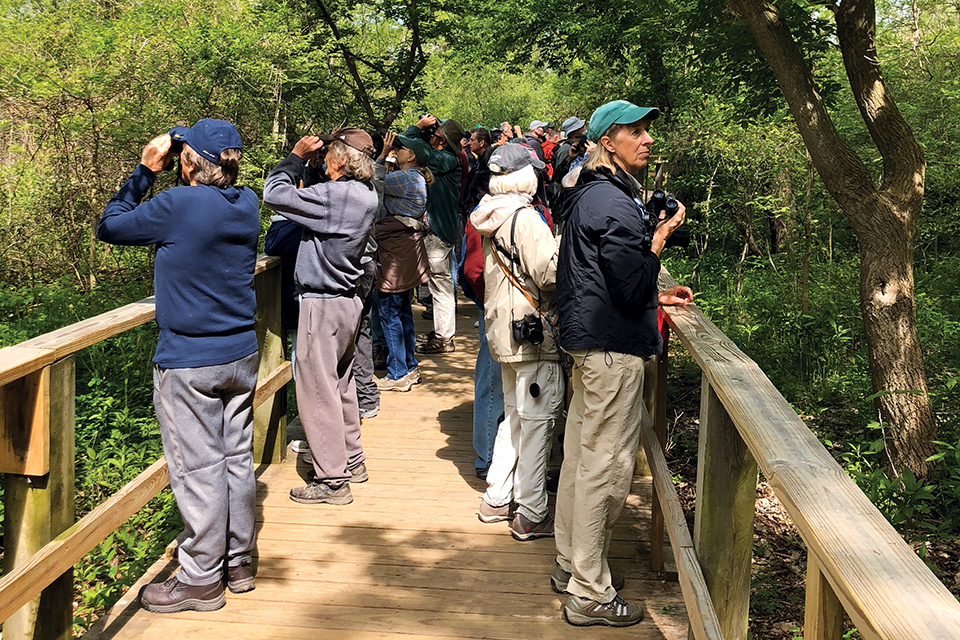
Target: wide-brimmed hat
[[511, 157], [355, 138], [452, 132], [209, 138], [617, 112], [421, 150]]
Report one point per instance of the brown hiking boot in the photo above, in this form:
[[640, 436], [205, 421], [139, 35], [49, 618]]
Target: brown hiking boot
[[523, 530], [172, 596], [321, 493], [240, 578], [436, 345]]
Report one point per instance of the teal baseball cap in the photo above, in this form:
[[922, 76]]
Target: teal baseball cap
[[420, 149], [617, 112]]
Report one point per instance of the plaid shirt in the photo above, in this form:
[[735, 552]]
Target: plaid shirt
[[405, 194]]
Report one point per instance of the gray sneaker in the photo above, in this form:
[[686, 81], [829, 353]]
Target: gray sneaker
[[560, 579], [321, 493], [489, 514], [358, 474], [583, 612], [523, 529], [366, 414]]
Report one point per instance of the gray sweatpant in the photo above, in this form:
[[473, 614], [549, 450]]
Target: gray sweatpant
[[326, 389], [206, 423]]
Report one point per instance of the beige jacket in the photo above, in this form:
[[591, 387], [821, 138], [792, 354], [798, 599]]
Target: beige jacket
[[535, 253]]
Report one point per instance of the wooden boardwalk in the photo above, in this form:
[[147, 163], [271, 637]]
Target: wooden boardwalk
[[408, 558]]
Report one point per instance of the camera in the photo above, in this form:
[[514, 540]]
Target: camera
[[662, 201], [529, 328]]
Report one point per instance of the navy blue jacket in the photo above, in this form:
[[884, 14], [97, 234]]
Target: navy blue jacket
[[606, 273], [203, 273]]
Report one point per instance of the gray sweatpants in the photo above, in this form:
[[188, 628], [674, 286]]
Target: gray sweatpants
[[326, 389], [206, 423]]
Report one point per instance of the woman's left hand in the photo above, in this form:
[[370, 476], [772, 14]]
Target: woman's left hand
[[676, 295]]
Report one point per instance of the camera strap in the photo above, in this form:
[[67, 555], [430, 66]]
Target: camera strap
[[513, 280]]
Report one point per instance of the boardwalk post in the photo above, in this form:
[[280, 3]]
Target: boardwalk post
[[823, 618], [270, 418], [723, 526], [38, 508], [657, 370]]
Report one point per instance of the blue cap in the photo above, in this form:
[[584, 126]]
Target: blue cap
[[209, 138], [617, 112]]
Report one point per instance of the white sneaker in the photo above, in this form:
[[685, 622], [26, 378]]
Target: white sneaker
[[300, 446]]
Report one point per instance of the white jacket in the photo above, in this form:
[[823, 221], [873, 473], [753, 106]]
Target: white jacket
[[535, 251]]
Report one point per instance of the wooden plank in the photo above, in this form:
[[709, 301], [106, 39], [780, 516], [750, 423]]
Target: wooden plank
[[23, 582], [823, 616], [725, 503], [36, 510], [270, 415], [703, 619], [884, 587], [272, 383], [36, 353], [658, 367], [25, 424], [18, 361]]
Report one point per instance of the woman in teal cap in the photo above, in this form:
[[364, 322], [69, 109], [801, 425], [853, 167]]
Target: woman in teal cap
[[607, 294]]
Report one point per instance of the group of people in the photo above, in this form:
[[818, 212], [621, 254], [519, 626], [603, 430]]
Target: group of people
[[552, 239]]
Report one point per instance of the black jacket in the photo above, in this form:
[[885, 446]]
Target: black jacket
[[606, 274]]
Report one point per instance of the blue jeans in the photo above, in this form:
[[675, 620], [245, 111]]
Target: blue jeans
[[487, 401], [396, 320]]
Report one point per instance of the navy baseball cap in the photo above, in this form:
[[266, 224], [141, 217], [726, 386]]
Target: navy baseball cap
[[209, 138]]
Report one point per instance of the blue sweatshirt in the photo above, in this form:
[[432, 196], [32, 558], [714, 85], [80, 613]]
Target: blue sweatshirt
[[206, 241]]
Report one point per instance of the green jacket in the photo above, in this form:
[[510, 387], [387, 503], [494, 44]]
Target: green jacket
[[443, 196]]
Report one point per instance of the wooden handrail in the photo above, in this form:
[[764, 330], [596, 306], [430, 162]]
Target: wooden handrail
[[885, 588], [36, 353]]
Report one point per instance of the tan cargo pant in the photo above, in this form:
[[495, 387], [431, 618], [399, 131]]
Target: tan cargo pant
[[600, 449]]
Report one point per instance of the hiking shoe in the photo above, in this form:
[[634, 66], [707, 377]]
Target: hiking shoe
[[414, 376], [386, 384], [522, 529], [306, 457], [436, 345], [358, 474], [487, 513], [172, 596], [560, 579], [369, 413], [583, 612], [321, 493], [300, 446], [426, 336], [240, 578]]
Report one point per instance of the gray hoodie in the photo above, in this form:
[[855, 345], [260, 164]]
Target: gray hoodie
[[337, 217]]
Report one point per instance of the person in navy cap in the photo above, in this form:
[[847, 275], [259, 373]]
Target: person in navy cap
[[206, 361]]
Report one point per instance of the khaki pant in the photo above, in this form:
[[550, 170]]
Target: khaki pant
[[441, 286], [599, 448]]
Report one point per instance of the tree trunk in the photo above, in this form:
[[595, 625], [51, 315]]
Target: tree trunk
[[884, 218]]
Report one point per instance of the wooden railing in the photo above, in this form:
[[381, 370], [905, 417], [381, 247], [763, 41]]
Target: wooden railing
[[42, 541], [856, 561]]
